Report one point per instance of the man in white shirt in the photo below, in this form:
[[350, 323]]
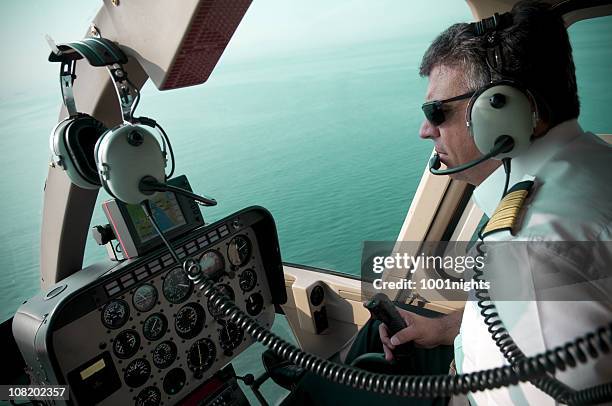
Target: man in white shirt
[[569, 200]]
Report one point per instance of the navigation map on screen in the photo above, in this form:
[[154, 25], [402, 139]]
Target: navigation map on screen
[[167, 214]]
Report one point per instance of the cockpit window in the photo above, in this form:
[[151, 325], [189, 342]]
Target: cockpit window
[[592, 46]]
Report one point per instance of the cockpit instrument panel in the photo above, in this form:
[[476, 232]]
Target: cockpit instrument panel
[[142, 333]]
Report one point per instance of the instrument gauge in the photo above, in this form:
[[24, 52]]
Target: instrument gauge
[[189, 320], [126, 344], [154, 327], [164, 354], [254, 304], [177, 286], [201, 355], [212, 263], [230, 335], [137, 372], [145, 297], [239, 250], [174, 381], [247, 280], [149, 396], [227, 291], [115, 313]]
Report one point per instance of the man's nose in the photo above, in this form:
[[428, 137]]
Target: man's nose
[[428, 130]]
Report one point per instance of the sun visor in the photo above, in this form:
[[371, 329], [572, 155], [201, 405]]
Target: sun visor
[[178, 43]]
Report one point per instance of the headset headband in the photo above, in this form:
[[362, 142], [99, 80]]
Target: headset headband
[[490, 27], [491, 24], [98, 52]]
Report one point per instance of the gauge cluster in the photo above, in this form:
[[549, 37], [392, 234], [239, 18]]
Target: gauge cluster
[[154, 333]]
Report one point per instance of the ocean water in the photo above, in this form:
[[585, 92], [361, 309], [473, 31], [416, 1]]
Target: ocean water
[[326, 140]]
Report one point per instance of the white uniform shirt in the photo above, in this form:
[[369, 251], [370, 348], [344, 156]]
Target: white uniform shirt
[[571, 201]]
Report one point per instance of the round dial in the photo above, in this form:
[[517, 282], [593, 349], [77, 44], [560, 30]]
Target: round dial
[[145, 297], [212, 263], [177, 286], [230, 335], [126, 344], [137, 372], [149, 396], [227, 291], [115, 313], [239, 250], [247, 280], [164, 354], [254, 304], [174, 381], [189, 320], [317, 295], [201, 355], [154, 326]]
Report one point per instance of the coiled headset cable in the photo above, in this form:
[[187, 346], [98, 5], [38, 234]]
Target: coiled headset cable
[[590, 345]]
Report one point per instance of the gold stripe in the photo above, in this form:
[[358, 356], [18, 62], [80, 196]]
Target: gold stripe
[[90, 370], [507, 211]]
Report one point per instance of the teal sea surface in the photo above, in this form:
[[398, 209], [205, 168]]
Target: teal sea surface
[[327, 140]]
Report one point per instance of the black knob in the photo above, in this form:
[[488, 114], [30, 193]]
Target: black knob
[[102, 234], [135, 138], [497, 101], [248, 379]]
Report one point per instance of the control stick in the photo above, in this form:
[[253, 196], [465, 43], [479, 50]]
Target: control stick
[[383, 309]]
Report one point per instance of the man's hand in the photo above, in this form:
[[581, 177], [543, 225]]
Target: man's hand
[[423, 331]]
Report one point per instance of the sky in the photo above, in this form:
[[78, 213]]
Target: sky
[[270, 28]]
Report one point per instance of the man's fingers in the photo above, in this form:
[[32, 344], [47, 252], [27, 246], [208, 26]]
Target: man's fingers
[[406, 315], [384, 336], [388, 353], [403, 336]]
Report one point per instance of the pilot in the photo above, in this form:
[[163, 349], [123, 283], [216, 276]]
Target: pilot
[[568, 200]]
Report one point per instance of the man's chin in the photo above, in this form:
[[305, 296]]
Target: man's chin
[[448, 163], [462, 176]]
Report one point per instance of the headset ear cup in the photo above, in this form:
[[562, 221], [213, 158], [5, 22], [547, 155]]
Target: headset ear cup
[[124, 156], [80, 138], [71, 145], [57, 144], [501, 109]]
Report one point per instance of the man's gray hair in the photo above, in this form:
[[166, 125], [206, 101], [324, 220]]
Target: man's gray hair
[[459, 48], [536, 53]]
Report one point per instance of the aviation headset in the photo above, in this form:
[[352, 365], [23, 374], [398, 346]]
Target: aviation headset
[[93, 155], [129, 152], [502, 115], [74, 138]]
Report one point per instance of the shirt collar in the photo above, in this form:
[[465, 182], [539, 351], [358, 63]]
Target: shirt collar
[[488, 194]]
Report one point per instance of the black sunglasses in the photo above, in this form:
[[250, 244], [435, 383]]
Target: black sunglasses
[[433, 109]]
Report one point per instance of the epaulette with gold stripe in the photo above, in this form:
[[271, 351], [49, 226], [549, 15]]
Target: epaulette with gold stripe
[[506, 214]]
